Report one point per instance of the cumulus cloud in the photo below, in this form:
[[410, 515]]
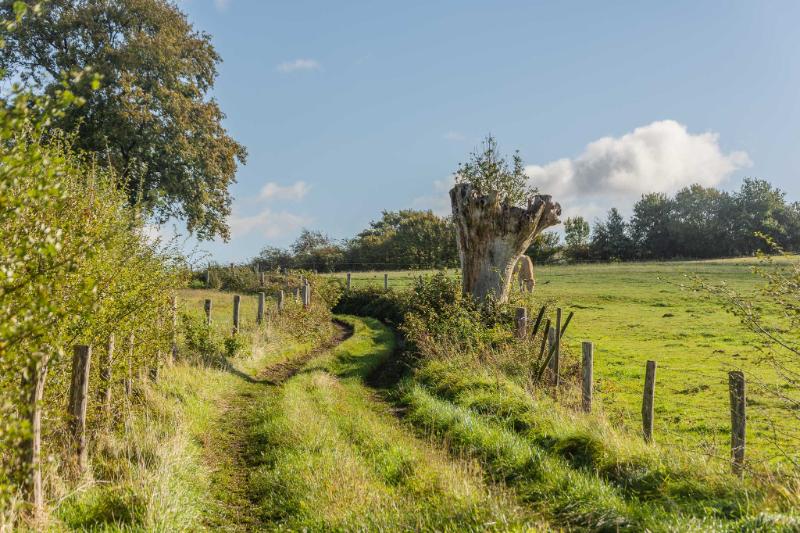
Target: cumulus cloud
[[439, 200], [274, 191], [660, 157], [298, 65], [268, 223]]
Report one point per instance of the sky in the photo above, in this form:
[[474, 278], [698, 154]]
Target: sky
[[351, 108]]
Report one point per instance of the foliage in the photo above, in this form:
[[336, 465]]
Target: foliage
[[489, 172], [576, 237], [544, 247], [151, 117]]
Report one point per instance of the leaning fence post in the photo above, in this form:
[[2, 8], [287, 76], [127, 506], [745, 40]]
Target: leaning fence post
[[520, 322], [260, 315], [648, 401], [386, 281], [281, 297], [78, 399], [236, 301], [588, 376], [557, 353], [736, 387], [552, 363], [348, 280]]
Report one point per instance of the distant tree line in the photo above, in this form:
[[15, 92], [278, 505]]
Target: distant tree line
[[697, 222], [399, 240]]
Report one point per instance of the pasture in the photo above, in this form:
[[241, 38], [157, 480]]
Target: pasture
[[634, 312]]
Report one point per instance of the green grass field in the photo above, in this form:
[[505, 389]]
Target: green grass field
[[639, 311]]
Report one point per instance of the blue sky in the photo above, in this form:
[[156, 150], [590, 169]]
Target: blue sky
[[349, 108]]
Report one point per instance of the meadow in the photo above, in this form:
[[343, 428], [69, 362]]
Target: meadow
[[634, 312]]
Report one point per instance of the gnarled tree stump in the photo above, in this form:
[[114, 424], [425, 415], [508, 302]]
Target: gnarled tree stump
[[492, 235]]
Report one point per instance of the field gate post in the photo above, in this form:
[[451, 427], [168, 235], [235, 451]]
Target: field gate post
[[588, 376], [520, 322], [736, 387], [648, 401], [551, 364], [260, 315], [236, 302], [78, 400], [386, 281]]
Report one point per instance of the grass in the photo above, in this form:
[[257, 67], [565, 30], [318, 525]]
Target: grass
[[330, 455], [634, 312]]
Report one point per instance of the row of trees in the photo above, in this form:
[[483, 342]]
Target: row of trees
[[697, 222], [406, 239]]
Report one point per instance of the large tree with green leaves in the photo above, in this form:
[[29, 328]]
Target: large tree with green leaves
[[151, 117]]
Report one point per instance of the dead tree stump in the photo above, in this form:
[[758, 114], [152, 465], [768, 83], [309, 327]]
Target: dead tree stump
[[493, 235]]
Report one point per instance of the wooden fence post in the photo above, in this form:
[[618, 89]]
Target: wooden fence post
[[78, 399], [174, 347], [106, 374], [520, 322], [736, 387], [236, 301], [552, 364], [207, 307], [208, 277], [260, 315], [588, 376], [307, 295], [281, 297], [296, 294], [648, 401], [557, 353], [129, 378], [261, 279], [32, 447], [348, 280], [386, 281]]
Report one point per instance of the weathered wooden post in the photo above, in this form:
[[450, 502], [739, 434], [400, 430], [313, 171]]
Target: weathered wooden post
[[551, 349], [296, 294], [520, 322], [307, 295], [174, 346], [648, 401], [208, 277], [588, 376], [281, 297], [348, 280], [736, 387], [260, 315], [207, 308], [78, 399], [106, 374], [129, 378], [557, 353], [32, 447], [261, 279], [386, 281], [236, 301]]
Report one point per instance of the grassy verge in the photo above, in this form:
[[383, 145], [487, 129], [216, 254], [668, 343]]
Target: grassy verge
[[329, 455]]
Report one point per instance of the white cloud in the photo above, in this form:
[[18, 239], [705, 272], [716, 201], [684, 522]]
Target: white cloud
[[298, 65], [295, 191], [268, 223], [454, 136], [659, 157], [439, 200], [222, 5]]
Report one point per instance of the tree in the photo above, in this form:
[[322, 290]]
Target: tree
[[610, 239], [489, 172], [576, 236], [492, 231], [308, 241], [544, 247], [650, 226], [151, 117]]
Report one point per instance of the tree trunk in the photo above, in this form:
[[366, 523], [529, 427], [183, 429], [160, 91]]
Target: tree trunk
[[492, 235]]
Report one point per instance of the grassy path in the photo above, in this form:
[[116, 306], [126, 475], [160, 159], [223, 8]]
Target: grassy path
[[324, 453]]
